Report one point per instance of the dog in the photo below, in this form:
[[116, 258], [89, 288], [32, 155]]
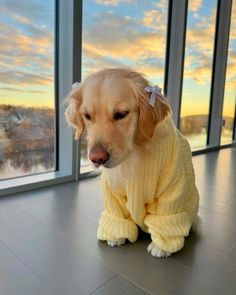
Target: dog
[[147, 173]]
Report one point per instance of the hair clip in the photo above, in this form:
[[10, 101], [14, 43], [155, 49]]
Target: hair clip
[[75, 85], [154, 90]]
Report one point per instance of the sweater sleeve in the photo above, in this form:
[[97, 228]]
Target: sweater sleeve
[[170, 216], [115, 222]]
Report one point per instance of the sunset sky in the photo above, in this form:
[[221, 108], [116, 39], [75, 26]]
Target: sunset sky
[[27, 52], [115, 33], [229, 100]]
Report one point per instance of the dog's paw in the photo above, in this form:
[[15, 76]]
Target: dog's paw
[[157, 252], [116, 243]]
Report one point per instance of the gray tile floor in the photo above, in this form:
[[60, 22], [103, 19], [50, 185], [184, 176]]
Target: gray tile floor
[[48, 242]]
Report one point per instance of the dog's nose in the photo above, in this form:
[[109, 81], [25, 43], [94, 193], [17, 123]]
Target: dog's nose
[[98, 155]]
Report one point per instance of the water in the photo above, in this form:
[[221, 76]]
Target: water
[[33, 162], [27, 163], [198, 141]]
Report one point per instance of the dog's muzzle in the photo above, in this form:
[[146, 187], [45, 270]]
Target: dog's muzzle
[[98, 155]]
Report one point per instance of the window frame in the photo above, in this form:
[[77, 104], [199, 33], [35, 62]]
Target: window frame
[[234, 126], [220, 56], [67, 70], [176, 37]]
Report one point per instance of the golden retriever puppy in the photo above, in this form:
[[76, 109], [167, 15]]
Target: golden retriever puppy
[[147, 173]]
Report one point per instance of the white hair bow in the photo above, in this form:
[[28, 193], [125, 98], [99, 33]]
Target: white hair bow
[[75, 85], [154, 90]]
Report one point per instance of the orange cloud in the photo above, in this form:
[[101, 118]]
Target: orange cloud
[[154, 19], [24, 78], [21, 19], [121, 41], [201, 75], [11, 89], [161, 4], [26, 53], [200, 48], [194, 5], [30, 52], [112, 2]]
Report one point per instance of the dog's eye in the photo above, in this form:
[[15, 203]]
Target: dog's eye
[[87, 116], [120, 115]]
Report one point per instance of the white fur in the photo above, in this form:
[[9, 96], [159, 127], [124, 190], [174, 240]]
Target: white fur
[[116, 243], [128, 168], [156, 251]]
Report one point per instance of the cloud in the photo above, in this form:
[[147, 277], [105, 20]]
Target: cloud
[[201, 74], [161, 4], [230, 82], [199, 51], [198, 67], [154, 19], [232, 57], [112, 2], [26, 50], [9, 89], [200, 40], [29, 36], [94, 60], [194, 5], [200, 48], [21, 19], [23, 78], [233, 22], [38, 12], [122, 41]]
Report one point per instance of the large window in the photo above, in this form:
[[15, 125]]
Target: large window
[[45, 48], [26, 87], [197, 71], [230, 84], [122, 33]]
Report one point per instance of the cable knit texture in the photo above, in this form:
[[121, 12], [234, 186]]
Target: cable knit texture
[[154, 189]]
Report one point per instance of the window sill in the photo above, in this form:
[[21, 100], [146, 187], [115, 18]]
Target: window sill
[[25, 183], [212, 148]]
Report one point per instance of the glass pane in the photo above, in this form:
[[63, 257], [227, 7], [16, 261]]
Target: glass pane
[[197, 71], [230, 84], [119, 33], [26, 87]]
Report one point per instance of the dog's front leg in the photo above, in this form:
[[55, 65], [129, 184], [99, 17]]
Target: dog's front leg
[[168, 232], [115, 223]]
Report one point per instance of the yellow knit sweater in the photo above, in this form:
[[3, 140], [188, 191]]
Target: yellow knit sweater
[[154, 190]]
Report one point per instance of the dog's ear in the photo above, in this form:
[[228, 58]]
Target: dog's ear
[[150, 116], [72, 113]]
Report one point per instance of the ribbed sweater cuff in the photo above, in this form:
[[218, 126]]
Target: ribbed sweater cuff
[[167, 244], [168, 231], [115, 228], [171, 225]]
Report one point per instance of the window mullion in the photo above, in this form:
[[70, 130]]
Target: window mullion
[[234, 126], [65, 80], [174, 72], [219, 71], [77, 66]]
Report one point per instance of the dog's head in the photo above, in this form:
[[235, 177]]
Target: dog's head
[[113, 107]]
